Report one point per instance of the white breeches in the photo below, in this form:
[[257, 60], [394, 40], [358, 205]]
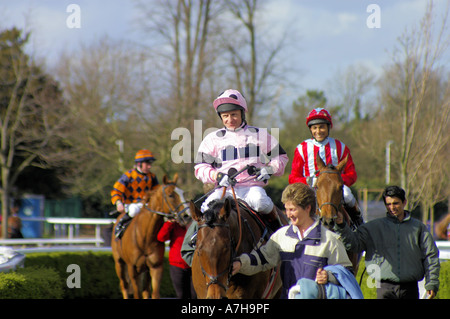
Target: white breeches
[[255, 196]]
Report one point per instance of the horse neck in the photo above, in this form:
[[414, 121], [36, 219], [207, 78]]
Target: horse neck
[[147, 216], [242, 231]]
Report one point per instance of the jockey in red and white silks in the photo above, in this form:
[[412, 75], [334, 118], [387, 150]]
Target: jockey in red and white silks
[[330, 150], [235, 146]]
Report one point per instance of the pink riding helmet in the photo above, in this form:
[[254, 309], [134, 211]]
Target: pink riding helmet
[[230, 96]]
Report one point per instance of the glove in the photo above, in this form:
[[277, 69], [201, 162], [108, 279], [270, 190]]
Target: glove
[[134, 209], [225, 181], [264, 174], [312, 180]]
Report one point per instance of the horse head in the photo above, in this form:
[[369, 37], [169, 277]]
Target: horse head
[[214, 248], [329, 190], [166, 199]]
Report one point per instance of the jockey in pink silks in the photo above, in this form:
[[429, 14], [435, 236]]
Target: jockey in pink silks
[[235, 146]]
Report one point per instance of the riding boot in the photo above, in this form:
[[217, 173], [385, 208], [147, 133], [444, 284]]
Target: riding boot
[[121, 225], [355, 214]]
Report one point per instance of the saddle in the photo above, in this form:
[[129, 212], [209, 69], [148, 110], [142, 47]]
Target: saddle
[[267, 226]]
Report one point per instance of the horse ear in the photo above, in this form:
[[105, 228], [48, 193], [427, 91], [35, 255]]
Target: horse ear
[[175, 178], [226, 209], [342, 164], [195, 212], [319, 162], [165, 179]]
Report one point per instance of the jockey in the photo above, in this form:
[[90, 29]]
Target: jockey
[[331, 151], [131, 187], [235, 146]]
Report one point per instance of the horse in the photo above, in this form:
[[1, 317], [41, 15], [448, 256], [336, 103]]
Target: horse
[[14, 228], [225, 231], [441, 228], [329, 195], [138, 251]]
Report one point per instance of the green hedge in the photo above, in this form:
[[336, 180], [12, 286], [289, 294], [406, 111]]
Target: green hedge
[[444, 280], [45, 276], [98, 278], [31, 283]]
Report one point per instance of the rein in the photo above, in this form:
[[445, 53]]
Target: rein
[[214, 280], [173, 211]]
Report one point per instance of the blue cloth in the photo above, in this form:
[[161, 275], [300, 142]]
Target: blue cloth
[[308, 289], [347, 280]]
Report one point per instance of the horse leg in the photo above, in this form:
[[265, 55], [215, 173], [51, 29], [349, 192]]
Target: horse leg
[[354, 259], [120, 271], [134, 276], [146, 285], [156, 276]]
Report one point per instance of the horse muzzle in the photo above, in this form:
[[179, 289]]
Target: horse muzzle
[[328, 222], [216, 291]]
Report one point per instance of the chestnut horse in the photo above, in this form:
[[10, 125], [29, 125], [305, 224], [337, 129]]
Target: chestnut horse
[[14, 227], [329, 193], [138, 251], [225, 231], [441, 228]]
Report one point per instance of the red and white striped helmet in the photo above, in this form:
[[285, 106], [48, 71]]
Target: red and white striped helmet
[[230, 100], [319, 116]]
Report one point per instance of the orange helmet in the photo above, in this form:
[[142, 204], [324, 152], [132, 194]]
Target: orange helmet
[[144, 156]]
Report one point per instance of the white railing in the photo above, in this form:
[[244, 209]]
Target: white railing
[[60, 224], [444, 249]]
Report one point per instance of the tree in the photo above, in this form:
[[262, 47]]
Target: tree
[[33, 123], [254, 61], [104, 85], [184, 36], [415, 100]]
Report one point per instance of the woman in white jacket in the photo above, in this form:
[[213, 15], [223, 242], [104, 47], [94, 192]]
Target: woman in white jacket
[[304, 248]]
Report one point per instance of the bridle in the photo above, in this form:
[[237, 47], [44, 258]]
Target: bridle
[[173, 211], [336, 207], [214, 280]]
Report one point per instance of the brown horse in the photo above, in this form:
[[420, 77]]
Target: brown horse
[[329, 195], [138, 251], [441, 228], [14, 227], [226, 230]]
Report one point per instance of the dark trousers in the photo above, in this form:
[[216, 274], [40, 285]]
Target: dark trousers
[[182, 282], [395, 290]]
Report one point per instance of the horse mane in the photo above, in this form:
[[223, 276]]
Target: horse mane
[[210, 215], [150, 194]]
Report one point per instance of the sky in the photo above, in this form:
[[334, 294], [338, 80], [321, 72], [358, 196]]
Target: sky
[[329, 35]]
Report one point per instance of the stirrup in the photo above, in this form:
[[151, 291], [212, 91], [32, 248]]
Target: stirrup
[[118, 233]]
